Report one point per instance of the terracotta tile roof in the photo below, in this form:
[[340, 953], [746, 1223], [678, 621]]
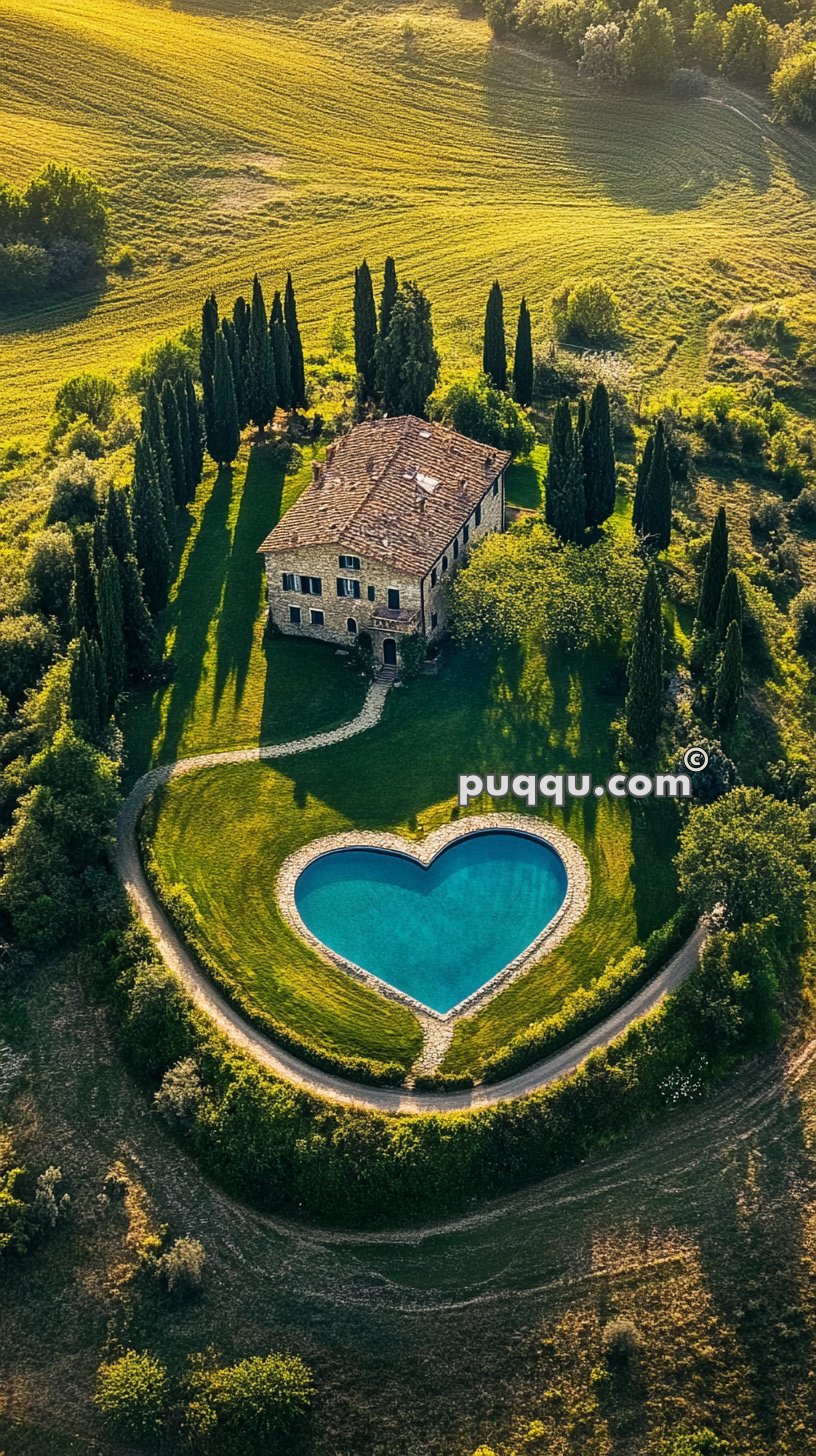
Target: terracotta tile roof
[[393, 490]]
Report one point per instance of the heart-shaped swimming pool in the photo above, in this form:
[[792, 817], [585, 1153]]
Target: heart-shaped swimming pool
[[436, 932]]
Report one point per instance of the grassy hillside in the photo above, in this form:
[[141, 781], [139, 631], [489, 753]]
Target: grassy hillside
[[248, 135]]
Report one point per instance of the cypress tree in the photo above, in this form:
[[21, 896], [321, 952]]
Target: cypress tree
[[276, 311], [262, 400], [523, 358], [120, 529], [494, 352], [730, 608], [407, 361], [599, 456], [564, 495], [111, 625], [209, 328], [242, 395], [153, 430], [657, 495], [141, 644], [186, 441], [196, 435], [714, 573], [644, 466], [644, 699], [581, 416], [298, 367], [83, 595], [283, 362], [225, 439], [87, 706], [729, 679], [99, 538], [387, 297], [152, 544], [365, 326], [175, 446]]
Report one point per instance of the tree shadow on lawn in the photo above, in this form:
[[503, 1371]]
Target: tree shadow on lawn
[[193, 609], [258, 512], [658, 154]]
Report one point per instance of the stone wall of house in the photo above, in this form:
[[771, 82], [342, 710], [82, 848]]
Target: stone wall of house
[[415, 592]]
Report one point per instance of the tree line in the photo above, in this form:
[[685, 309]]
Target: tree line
[[252, 365]]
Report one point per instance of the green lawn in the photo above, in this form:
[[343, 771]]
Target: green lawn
[[223, 832], [231, 686], [241, 136]]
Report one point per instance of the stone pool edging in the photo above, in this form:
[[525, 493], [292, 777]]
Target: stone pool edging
[[438, 1026]]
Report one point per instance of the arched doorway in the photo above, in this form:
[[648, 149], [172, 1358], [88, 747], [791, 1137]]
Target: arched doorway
[[390, 652], [351, 626]]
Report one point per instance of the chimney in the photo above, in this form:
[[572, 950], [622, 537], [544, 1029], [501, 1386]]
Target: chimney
[[315, 471]]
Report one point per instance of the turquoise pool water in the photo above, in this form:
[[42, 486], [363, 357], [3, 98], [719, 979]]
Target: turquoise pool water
[[437, 933]]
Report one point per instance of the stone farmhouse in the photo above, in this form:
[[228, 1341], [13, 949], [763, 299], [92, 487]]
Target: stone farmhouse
[[387, 518]]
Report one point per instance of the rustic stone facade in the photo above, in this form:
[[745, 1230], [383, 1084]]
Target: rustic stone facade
[[422, 599]]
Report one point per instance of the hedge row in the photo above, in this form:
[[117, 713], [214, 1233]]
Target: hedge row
[[268, 1142], [588, 1005], [184, 916]]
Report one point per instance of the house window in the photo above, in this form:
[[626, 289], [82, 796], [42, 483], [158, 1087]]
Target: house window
[[347, 587], [477, 519], [294, 616], [434, 619], [495, 487], [433, 577], [351, 626], [456, 548], [393, 598], [444, 563], [316, 617], [371, 593], [465, 535], [350, 563], [308, 586]]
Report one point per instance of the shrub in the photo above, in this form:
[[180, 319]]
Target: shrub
[[50, 572], [803, 510], [11, 213], [587, 311], [413, 650], [255, 1405], [13, 1211], [179, 1096], [793, 87], [694, 1443], [68, 260], [74, 491], [24, 271], [50, 1204], [622, 1343], [26, 646], [156, 1017], [123, 263], [181, 1267], [475, 408], [688, 82], [803, 617], [169, 359], [132, 1396], [90, 395], [718, 777]]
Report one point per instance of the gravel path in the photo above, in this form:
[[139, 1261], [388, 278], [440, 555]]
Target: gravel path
[[285, 1064]]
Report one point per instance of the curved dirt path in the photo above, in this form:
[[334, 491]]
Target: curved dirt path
[[326, 1084]]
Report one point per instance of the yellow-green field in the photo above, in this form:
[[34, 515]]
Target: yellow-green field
[[247, 135]]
